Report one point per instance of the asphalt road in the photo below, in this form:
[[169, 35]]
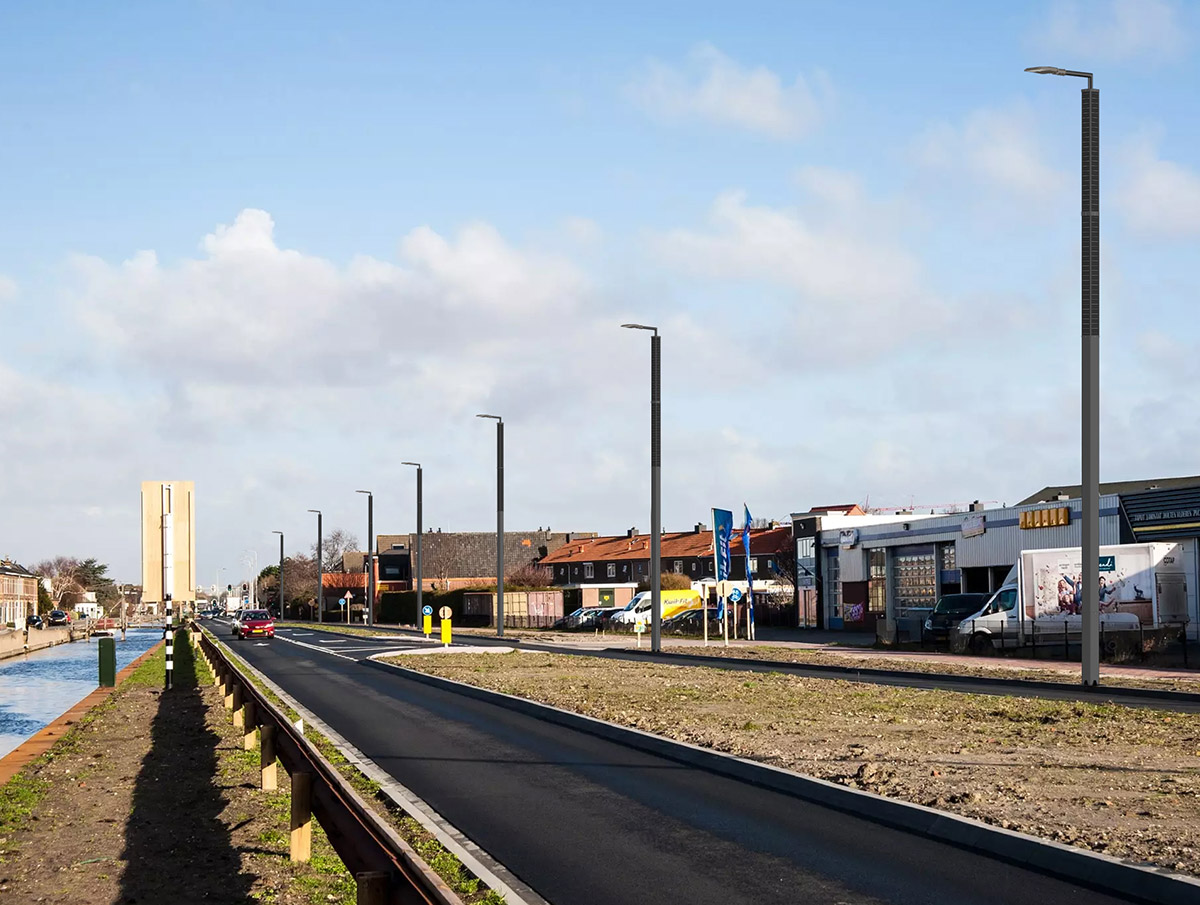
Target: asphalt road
[[583, 820], [1064, 691]]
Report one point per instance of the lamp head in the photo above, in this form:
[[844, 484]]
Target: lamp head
[[414, 464], [367, 492], [640, 327], [493, 417], [1046, 70]]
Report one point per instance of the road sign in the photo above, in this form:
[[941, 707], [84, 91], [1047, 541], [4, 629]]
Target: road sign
[[735, 595], [348, 596], [445, 612], [427, 610]]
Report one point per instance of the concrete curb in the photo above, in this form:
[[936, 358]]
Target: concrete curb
[[1090, 869], [494, 874]]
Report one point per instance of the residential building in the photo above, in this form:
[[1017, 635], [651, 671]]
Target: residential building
[[456, 559], [18, 594]]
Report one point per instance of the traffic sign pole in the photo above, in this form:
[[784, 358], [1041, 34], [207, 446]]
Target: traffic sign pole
[[427, 620]]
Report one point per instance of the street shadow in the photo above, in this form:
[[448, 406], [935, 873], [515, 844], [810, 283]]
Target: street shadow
[[176, 847]]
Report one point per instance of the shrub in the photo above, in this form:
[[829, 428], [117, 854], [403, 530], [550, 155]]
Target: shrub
[[670, 581]]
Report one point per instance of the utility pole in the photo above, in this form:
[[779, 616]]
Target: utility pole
[[369, 591], [320, 569], [420, 529], [499, 522]]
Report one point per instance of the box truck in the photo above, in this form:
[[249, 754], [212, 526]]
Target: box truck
[[1141, 586]]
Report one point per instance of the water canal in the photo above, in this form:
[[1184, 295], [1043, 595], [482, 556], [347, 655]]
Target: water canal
[[36, 688]]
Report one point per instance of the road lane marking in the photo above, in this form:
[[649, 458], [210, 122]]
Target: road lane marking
[[324, 650]]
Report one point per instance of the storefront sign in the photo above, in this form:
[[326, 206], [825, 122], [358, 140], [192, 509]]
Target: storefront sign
[[973, 526], [1046, 518], [848, 537]]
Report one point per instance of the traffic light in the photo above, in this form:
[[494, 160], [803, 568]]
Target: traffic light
[[245, 587], [229, 589]]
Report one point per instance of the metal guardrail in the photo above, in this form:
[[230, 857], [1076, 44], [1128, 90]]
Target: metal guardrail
[[386, 867]]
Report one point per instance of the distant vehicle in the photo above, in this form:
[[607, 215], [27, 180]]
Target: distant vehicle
[[236, 620], [34, 621], [583, 618], [949, 611], [1140, 586], [691, 622], [672, 602], [255, 623], [58, 617]]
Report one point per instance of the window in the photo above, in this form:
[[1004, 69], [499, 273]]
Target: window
[[1005, 601], [391, 570], [949, 558], [877, 589], [751, 566], [915, 574], [612, 570], [833, 583], [589, 570], [679, 567], [693, 565]]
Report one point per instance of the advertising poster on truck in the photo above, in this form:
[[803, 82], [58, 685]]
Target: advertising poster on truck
[[1054, 582]]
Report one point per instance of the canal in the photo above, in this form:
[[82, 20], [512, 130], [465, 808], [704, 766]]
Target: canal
[[39, 687]]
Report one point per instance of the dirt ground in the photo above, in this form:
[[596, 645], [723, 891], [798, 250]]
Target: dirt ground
[[1118, 780], [151, 800], [983, 666]]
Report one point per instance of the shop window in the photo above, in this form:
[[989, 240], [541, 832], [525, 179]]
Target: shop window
[[915, 580], [949, 558], [612, 570]]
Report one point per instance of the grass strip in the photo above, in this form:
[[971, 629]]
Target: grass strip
[[441, 860]]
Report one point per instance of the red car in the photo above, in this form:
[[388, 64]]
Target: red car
[[256, 624]]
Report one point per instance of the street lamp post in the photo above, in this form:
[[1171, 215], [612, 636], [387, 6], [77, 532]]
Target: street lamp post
[[320, 568], [499, 522], [420, 572], [655, 484], [370, 589], [281, 613], [1090, 279]]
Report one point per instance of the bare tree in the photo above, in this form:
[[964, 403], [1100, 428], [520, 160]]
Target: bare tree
[[64, 572], [333, 546]]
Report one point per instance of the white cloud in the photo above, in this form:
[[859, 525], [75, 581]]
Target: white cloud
[[1119, 30], [1159, 197], [999, 148], [710, 87]]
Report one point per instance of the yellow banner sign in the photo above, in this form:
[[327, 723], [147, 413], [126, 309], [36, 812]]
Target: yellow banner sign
[[1046, 518]]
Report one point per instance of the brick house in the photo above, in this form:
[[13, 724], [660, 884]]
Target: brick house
[[18, 594], [461, 558]]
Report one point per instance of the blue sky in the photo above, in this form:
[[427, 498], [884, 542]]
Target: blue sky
[[278, 247]]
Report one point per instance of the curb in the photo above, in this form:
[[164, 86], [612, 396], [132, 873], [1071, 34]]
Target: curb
[[46, 737], [1089, 869], [494, 874]]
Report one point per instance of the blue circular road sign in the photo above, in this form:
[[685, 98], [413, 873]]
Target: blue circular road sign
[[427, 610], [735, 595]]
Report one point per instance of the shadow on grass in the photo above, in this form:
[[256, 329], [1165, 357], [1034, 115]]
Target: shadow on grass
[[176, 848]]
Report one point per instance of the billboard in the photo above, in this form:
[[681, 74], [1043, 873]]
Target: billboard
[[1053, 582]]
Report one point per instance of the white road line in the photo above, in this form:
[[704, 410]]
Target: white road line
[[331, 640], [324, 650]]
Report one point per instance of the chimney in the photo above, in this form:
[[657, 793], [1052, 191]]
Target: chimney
[[977, 506], [701, 527], [632, 532], [774, 523]]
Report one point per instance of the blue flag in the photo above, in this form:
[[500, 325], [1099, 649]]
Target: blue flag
[[749, 571], [722, 532]]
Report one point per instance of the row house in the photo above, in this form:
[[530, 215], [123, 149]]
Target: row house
[[605, 571], [18, 594]]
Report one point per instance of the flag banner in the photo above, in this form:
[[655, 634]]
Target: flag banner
[[722, 532], [749, 563]]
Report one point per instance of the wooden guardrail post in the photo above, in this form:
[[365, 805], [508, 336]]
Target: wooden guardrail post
[[239, 713], [266, 759], [249, 727], [300, 843], [227, 689], [372, 887]]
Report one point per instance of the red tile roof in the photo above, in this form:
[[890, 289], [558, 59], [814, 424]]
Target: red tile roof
[[674, 544]]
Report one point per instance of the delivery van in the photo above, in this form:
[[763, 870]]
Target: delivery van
[[672, 602]]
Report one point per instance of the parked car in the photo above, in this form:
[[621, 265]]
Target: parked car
[[34, 621], [638, 609], [949, 611], [58, 617], [691, 622], [256, 624]]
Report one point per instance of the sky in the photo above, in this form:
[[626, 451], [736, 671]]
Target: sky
[[277, 248]]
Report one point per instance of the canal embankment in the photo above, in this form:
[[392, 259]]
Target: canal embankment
[[13, 643]]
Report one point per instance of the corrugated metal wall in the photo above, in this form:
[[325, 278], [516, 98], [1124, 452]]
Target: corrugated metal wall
[[1002, 545]]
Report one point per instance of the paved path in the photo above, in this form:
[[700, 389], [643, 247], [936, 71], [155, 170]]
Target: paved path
[[583, 820]]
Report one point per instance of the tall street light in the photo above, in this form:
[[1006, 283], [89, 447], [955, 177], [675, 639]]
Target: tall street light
[[420, 572], [320, 569], [655, 484], [370, 564], [281, 613], [1090, 279], [499, 522]]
